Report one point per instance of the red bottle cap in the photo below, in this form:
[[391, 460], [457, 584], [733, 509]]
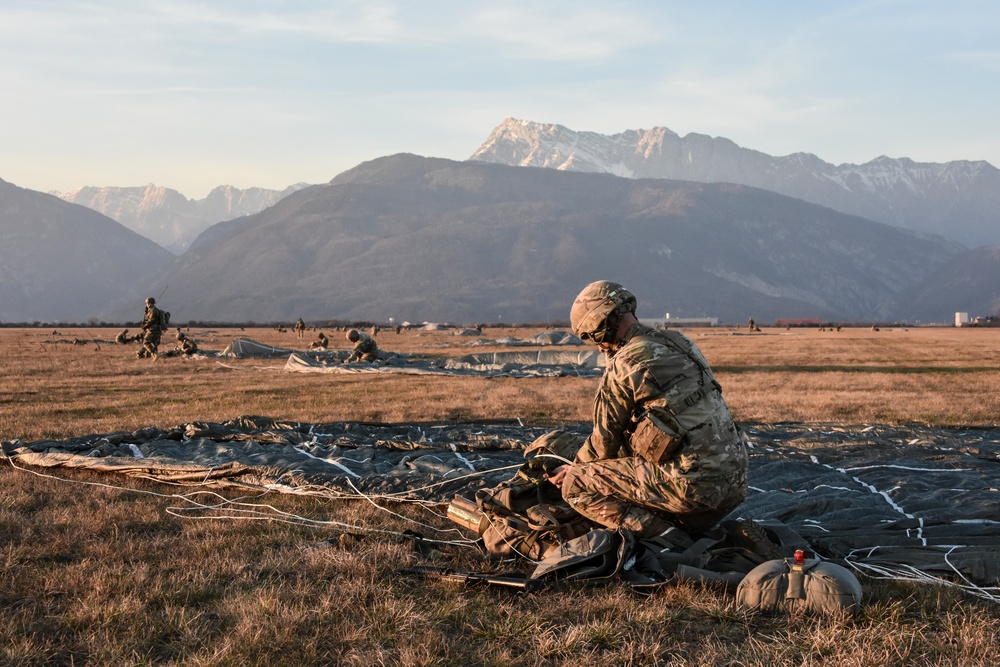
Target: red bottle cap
[[800, 557]]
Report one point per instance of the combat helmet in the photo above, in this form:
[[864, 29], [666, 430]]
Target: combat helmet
[[598, 309], [353, 335]]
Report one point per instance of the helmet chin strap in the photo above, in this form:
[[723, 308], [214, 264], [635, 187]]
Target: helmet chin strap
[[610, 342], [605, 338]]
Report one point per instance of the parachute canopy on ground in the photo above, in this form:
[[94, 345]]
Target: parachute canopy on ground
[[534, 363], [906, 502], [244, 348], [554, 338]]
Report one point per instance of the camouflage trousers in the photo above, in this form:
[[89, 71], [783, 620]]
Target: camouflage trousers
[[150, 343], [636, 495]]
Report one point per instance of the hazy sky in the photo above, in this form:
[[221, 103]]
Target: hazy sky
[[190, 95]]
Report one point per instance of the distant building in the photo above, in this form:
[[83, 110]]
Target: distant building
[[961, 319], [690, 321]]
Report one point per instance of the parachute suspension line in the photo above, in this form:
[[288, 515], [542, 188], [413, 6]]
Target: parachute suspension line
[[396, 497], [263, 512], [238, 509], [903, 572], [401, 495], [413, 521], [553, 456], [876, 491], [969, 586], [122, 488]]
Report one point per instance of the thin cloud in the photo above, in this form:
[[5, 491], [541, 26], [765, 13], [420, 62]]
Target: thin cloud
[[361, 21], [268, 83], [986, 59], [560, 32]]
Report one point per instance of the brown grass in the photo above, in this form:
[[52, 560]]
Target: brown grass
[[55, 389], [95, 570]]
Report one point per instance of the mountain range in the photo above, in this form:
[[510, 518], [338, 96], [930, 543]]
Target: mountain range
[[959, 200], [168, 217], [513, 233], [60, 262], [414, 238]]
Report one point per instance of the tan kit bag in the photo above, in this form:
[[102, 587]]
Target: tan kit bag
[[799, 583]]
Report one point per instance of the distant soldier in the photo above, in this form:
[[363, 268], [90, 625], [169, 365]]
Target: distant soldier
[[399, 329], [365, 348], [122, 338], [300, 328], [153, 324], [375, 330], [320, 343], [185, 345]]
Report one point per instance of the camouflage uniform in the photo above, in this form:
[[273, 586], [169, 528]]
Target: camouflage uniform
[[151, 331], [185, 345], [365, 349], [321, 342], [658, 389], [300, 328]]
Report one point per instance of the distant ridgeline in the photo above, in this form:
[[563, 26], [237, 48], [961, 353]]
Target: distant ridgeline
[[406, 238], [959, 200]]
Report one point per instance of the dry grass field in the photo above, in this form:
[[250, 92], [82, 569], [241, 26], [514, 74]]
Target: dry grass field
[[94, 569]]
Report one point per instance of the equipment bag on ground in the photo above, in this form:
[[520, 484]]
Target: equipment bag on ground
[[800, 584]]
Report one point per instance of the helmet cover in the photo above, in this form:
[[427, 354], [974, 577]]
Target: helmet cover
[[598, 308]]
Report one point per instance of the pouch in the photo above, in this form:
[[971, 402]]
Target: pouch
[[654, 440]]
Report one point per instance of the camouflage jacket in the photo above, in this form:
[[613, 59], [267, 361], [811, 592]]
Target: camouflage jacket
[[366, 348], [151, 319], [664, 373]]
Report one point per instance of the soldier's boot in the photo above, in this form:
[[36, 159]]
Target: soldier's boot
[[748, 534]]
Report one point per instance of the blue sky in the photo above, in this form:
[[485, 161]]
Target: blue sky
[[190, 95]]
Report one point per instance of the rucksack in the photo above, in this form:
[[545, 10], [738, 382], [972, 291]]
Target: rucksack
[[527, 517], [597, 557], [164, 322]]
